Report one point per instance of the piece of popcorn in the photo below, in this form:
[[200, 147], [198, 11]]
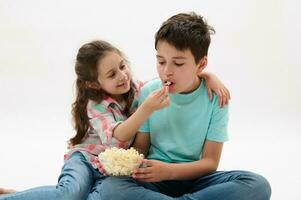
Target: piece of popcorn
[[120, 162], [167, 83]]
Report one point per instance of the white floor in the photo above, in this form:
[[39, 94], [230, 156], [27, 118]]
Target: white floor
[[27, 163]]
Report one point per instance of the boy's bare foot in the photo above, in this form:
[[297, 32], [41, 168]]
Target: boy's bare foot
[[6, 191]]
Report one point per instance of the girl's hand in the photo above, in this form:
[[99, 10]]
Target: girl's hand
[[154, 171], [157, 100], [99, 166], [214, 84]]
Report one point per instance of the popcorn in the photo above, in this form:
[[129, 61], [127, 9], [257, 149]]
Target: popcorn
[[120, 162], [167, 83]]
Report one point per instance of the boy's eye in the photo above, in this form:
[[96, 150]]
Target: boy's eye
[[179, 64]]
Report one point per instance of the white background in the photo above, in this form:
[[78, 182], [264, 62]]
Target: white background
[[256, 53]]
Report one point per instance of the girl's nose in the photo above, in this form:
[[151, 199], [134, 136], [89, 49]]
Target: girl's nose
[[122, 76]]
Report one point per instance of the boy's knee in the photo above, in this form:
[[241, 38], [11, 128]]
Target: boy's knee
[[263, 186], [115, 188], [260, 185], [108, 186]]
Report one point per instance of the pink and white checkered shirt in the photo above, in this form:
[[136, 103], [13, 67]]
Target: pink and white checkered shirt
[[104, 117]]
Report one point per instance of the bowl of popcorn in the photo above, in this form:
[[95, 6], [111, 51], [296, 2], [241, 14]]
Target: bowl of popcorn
[[120, 162]]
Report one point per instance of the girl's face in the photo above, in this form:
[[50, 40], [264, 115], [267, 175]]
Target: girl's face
[[114, 75]]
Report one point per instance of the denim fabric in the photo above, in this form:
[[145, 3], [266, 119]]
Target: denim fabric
[[228, 185], [78, 180]]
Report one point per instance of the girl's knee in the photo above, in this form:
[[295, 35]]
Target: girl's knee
[[71, 190]]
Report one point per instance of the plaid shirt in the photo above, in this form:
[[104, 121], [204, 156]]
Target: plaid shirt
[[104, 117]]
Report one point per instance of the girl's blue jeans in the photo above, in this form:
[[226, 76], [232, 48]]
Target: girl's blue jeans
[[78, 180], [220, 185]]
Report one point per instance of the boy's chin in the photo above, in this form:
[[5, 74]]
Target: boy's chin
[[172, 91]]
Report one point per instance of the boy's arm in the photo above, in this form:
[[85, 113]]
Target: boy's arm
[[141, 143], [208, 163], [214, 84], [159, 171]]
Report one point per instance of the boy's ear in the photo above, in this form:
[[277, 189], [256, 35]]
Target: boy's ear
[[92, 85], [202, 64]]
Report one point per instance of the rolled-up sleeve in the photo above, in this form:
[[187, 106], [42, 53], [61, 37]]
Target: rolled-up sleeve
[[103, 122], [218, 127]]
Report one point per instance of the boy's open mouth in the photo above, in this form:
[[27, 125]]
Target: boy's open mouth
[[168, 83]]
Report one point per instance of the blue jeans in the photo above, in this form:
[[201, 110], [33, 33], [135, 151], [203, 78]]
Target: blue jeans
[[229, 185], [78, 180]]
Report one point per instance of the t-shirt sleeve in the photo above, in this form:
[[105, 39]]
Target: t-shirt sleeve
[[103, 122], [144, 128], [139, 85], [218, 126]]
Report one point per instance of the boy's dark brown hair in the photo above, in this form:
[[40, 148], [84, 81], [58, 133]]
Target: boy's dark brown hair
[[186, 31]]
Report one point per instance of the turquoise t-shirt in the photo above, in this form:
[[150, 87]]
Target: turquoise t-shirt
[[178, 132]]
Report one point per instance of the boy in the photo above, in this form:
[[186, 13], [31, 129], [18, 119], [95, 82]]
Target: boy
[[184, 141]]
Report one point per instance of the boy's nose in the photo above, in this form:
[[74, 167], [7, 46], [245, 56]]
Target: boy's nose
[[167, 70]]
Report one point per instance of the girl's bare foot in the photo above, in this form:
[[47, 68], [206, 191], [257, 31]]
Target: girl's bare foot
[[6, 191]]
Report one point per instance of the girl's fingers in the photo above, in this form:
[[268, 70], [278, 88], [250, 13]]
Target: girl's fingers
[[228, 94], [220, 98], [162, 94], [209, 92], [224, 98], [166, 101], [163, 91], [158, 93]]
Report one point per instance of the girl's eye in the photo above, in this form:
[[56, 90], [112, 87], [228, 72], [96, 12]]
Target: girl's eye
[[161, 62], [122, 66], [112, 75]]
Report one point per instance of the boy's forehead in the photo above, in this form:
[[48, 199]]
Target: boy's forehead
[[165, 49]]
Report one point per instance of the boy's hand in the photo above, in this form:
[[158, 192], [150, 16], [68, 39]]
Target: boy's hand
[[154, 171], [157, 99]]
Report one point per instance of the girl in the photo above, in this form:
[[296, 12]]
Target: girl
[[103, 117]]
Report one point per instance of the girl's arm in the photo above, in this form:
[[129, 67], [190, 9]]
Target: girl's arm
[[127, 129], [159, 171], [215, 85]]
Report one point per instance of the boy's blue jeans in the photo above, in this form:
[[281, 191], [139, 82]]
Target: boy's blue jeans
[[228, 185], [78, 180]]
